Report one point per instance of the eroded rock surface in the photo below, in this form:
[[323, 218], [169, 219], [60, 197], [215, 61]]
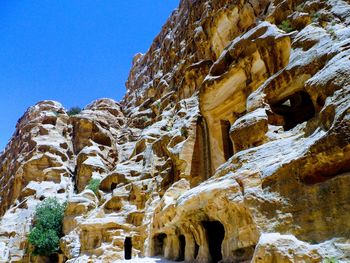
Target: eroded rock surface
[[232, 144]]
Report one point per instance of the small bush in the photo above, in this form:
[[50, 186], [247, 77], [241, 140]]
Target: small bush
[[286, 26], [94, 185], [315, 17], [330, 260], [74, 111], [45, 241], [47, 230]]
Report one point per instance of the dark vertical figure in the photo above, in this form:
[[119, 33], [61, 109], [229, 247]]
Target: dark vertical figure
[[127, 248]]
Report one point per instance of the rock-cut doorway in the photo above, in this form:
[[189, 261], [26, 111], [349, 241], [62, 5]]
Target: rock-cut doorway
[[127, 248]]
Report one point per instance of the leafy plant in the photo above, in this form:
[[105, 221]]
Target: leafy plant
[[94, 185], [286, 26], [47, 230], [330, 260], [45, 241], [74, 111], [315, 17]]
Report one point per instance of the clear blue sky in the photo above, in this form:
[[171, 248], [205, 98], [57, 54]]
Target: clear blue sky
[[72, 51]]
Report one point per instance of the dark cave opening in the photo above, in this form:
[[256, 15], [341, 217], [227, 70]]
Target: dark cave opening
[[215, 234], [182, 241], [127, 248], [54, 258], [295, 109], [158, 244], [226, 140]]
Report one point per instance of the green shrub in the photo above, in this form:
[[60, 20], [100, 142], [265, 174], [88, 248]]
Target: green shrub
[[94, 185], [315, 17], [74, 111], [330, 260], [47, 230], [49, 214], [45, 241], [286, 26]]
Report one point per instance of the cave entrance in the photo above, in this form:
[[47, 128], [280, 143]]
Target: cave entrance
[[182, 241], [226, 140], [295, 109], [158, 244], [215, 234], [127, 248]]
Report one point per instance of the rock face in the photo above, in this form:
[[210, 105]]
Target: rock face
[[232, 144]]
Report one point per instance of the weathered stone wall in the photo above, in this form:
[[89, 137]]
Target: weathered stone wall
[[232, 143]]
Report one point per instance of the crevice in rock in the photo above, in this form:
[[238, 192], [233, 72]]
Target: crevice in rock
[[327, 172], [200, 166], [182, 242], [113, 186], [196, 249], [226, 140], [102, 139]]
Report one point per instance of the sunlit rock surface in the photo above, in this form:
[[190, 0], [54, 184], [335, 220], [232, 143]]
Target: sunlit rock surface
[[232, 144]]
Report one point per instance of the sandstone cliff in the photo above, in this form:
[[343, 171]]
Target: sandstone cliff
[[232, 143]]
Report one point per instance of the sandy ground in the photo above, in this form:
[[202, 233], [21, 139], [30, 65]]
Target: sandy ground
[[147, 260]]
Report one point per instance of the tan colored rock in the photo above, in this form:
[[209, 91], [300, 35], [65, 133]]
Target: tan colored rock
[[249, 130], [230, 145], [274, 247]]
